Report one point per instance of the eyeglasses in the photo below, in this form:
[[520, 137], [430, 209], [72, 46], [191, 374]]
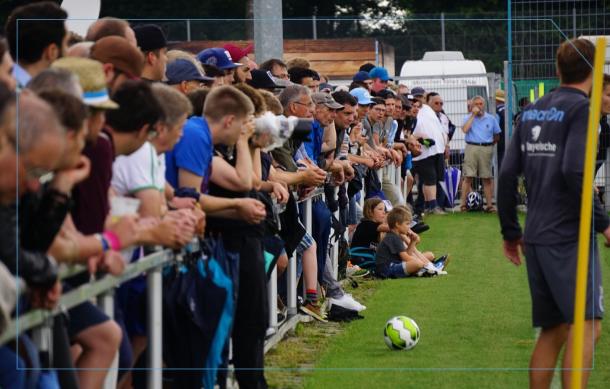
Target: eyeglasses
[[308, 105], [438, 103]]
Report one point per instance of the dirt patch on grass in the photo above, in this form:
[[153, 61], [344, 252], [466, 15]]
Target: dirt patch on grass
[[291, 361]]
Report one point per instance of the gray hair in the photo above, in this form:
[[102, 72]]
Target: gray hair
[[292, 94], [36, 120], [56, 78], [174, 103], [477, 97]]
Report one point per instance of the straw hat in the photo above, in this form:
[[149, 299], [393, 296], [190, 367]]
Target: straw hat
[[500, 95], [91, 78]]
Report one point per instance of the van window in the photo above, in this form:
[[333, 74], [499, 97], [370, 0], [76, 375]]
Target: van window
[[472, 91]]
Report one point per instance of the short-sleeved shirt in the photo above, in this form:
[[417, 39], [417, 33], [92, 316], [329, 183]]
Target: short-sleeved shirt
[[91, 205], [429, 127], [483, 129], [143, 169], [193, 153], [389, 250], [366, 234]]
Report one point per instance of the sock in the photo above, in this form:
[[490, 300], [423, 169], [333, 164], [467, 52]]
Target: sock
[[432, 204], [312, 295]]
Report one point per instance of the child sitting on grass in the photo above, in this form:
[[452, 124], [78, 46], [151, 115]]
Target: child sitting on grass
[[397, 255]]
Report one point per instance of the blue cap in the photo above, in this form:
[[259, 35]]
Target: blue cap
[[361, 76], [362, 95], [379, 72], [184, 70], [218, 57]]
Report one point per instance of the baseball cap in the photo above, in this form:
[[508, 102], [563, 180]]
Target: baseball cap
[[120, 53], [150, 37], [361, 76], [183, 70], [379, 72], [362, 95], [218, 57], [263, 80], [418, 91], [237, 52], [326, 99], [91, 78]]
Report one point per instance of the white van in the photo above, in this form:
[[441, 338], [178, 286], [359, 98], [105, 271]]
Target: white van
[[456, 79]]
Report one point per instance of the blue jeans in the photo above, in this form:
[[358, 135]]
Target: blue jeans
[[320, 222]]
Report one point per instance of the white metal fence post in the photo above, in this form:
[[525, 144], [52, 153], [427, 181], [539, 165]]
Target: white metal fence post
[[155, 329], [272, 296], [106, 304]]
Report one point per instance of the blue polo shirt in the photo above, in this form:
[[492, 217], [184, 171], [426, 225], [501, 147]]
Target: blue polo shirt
[[193, 152], [483, 129], [314, 145]]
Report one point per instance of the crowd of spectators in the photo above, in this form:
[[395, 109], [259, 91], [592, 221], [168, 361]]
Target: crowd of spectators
[[114, 145]]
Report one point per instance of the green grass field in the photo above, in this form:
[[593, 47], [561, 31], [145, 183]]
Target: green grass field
[[475, 324]]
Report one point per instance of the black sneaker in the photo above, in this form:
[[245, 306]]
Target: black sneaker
[[420, 227]]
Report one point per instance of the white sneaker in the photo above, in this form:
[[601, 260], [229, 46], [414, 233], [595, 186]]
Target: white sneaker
[[348, 302]]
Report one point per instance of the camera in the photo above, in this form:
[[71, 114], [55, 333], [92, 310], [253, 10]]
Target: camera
[[272, 131]]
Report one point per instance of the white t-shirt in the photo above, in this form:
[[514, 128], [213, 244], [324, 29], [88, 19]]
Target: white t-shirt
[[141, 170], [428, 126]]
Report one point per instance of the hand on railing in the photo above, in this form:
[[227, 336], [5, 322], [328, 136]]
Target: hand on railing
[[125, 229], [111, 262], [251, 210], [46, 298], [280, 192]]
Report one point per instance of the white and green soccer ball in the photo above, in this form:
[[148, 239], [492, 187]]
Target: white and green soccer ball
[[401, 333]]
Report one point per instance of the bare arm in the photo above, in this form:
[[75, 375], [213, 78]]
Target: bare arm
[[228, 177], [152, 202], [329, 141], [468, 125], [186, 179]]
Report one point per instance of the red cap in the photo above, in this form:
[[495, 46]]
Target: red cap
[[237, 52]]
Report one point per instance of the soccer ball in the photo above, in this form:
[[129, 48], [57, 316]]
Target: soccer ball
[[401, 333], [474, 201]]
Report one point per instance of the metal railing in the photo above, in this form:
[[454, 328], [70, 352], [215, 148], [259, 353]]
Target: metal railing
[[39, 321]]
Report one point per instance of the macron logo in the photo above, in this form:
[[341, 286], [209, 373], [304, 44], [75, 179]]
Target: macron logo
[[536, 133]]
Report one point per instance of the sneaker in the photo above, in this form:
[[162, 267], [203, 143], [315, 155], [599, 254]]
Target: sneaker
[[438, 211], [347, 301], [355, 270], [420, 227], [313, 309], [441, 262]]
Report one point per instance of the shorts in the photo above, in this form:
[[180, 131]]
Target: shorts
[[393, 270], [83, 317], [305, 243], [477, 161], [430, 170], [551, 272]]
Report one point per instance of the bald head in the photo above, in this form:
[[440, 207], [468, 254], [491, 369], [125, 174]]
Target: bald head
[[109, 26]]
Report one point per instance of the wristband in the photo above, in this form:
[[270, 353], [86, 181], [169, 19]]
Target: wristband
[[113, 240], [103, 241]]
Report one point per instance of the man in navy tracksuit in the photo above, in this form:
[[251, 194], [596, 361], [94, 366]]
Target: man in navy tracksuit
[[548, 148]]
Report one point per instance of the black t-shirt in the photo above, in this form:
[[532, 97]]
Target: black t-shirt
[[389, 250], [225, 226], [366, 234]]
